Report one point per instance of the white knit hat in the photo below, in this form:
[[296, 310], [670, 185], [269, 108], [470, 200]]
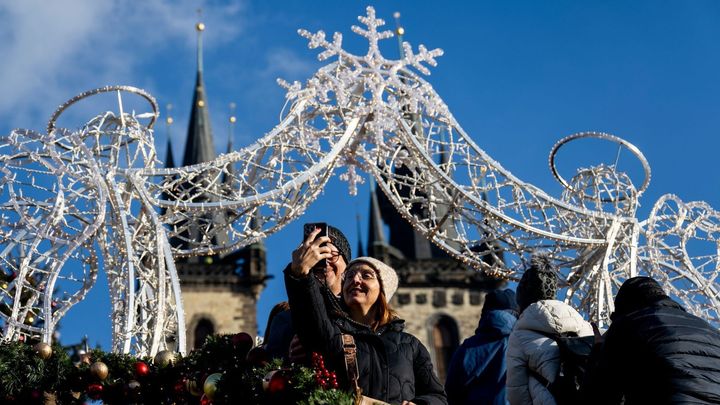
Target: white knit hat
[[388, 277]]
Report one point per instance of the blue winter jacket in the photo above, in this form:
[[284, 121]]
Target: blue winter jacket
[[477, 371]]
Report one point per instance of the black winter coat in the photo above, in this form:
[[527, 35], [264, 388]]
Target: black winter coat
[[657, 355], [393, 365]]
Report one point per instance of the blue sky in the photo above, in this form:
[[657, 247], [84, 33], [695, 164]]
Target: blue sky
[[517, 75]]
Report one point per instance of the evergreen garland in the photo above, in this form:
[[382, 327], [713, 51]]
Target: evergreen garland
[[244, 375]]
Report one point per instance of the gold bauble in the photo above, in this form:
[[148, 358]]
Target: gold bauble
[[210, 386], [43, 350], [200, 26], [99, 370], [400, 31], [165, 358]]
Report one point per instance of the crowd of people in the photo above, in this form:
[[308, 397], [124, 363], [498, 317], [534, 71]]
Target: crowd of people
[[524, 350]]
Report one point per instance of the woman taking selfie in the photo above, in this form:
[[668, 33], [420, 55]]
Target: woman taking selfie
[[392, 366]]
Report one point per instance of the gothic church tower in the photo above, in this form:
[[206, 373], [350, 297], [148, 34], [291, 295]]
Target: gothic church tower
[[439, 298], [219, 292]]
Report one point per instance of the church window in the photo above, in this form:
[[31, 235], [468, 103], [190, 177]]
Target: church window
[[439, 298], [203, 329], [445, 336]]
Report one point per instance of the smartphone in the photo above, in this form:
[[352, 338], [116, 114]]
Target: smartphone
[[307, 230]]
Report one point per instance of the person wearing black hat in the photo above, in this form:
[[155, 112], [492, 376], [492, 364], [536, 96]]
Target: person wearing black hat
[[654, 352], [366, 345], [282, 339], [532, 356], [476, 374]]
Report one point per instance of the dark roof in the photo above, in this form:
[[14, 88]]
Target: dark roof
[[169, 157], [376, 233], [199, 146]]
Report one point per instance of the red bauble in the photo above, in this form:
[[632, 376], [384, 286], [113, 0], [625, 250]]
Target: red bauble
[[141, 369], [278, 383], [258, 357], [241, 338], [95, 391], [204, 400], [243, 342]]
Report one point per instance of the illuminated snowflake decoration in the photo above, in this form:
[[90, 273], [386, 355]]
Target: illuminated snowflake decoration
[[372, 86], [70, 200]]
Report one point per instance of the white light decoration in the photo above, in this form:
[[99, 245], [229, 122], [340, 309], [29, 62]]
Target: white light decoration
[[71, 200]]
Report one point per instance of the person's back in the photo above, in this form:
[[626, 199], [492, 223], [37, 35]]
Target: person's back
[[532, 356], [656, 353], [477, 371]]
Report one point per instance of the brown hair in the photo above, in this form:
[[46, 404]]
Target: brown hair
[[384, 313], [278, 308]]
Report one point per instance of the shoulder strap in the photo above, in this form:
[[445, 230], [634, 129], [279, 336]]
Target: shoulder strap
[[542, 380], [351, 363]]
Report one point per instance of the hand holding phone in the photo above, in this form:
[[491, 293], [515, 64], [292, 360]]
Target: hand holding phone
[[307, 230], [312, 253]]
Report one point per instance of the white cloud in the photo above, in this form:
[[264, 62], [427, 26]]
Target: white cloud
[[287, 64], [52, 50]]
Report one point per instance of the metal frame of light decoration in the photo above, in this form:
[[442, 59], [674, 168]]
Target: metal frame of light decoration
[[69, 199]]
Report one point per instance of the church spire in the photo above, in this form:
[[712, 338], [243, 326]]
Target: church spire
[[199, 27], [399, 32], [231, 136], [199, 146], [169, 157], [231, 128], [360, 250], [405, 242], [377, 245], [376, 234]]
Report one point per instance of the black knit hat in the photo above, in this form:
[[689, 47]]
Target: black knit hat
[[539, 282], [340, 241], [637, 293], [499, 300]]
